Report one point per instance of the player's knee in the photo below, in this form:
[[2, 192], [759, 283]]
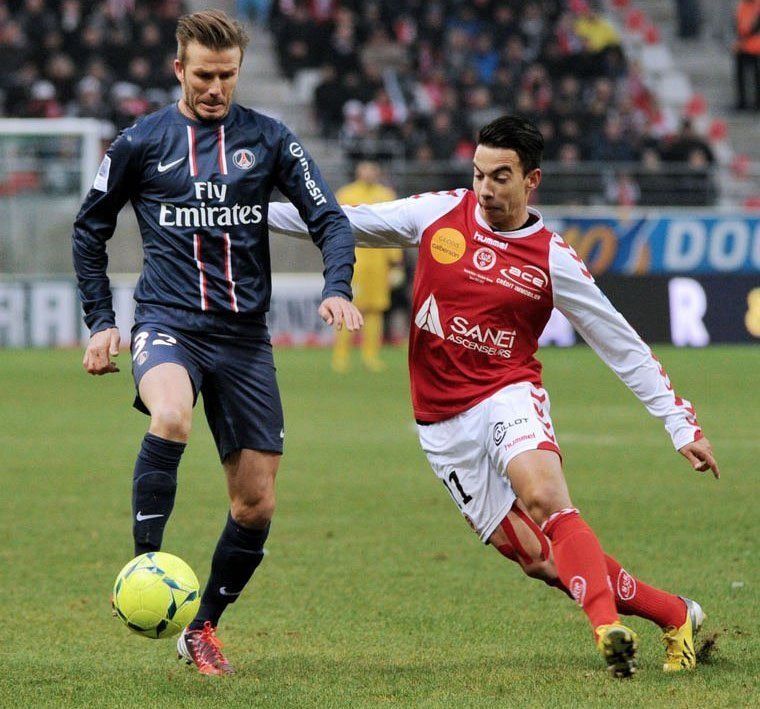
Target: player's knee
[[171, 422], [543, 500], [544, 570], [254, 512]]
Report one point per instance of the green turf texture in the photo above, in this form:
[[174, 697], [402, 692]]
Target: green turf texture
[[374, 591]]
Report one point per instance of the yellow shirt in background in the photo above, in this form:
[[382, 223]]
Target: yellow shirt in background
[[598, 32], [371, 284]]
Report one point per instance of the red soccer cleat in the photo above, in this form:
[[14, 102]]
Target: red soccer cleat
[[204, 650]]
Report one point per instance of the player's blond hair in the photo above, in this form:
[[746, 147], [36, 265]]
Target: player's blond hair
[[213, 29]]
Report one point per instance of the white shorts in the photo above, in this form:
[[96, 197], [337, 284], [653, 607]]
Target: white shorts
[[471, 451]]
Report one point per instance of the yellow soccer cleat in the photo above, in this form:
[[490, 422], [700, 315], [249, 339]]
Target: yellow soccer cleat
[[618, 645], [679, 642]]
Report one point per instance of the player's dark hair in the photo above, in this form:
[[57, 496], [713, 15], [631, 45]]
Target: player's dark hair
[[213, 29], [518, 134]]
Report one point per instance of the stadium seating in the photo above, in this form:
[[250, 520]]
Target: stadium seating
[[82, 58], [415, 81]]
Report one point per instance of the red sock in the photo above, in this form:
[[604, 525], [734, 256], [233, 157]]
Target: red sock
[[581, 565], [634, 597]]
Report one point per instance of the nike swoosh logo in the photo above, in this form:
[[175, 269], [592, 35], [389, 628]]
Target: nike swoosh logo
[[140, 517], [169, 165], [224, 592]]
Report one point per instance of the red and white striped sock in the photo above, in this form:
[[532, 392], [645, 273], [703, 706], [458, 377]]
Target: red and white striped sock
[[581, 565]]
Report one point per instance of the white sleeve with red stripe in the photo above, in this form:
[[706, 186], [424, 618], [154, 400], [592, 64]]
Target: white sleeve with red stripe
[[617, 343], [400, 222]]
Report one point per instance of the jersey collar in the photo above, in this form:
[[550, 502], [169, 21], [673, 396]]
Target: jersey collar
[[534, 228]]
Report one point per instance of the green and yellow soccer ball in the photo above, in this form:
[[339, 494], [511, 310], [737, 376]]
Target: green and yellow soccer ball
[[156, 595]]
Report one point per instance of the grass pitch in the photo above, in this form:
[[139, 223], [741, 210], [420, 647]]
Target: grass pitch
[[374, 592]]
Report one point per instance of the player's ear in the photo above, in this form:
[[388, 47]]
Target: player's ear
[[533, 179], [179, 70]]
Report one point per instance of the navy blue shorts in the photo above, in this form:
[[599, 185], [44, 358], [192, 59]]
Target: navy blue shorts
[[235, 375]]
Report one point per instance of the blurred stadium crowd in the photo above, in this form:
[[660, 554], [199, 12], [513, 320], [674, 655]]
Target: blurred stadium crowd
[[110, 60], [418, 78], [409, 79]]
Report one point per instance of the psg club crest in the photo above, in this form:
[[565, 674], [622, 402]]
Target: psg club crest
[[243, 159]]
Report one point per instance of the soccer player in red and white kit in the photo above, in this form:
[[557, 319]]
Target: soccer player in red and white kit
[[488, 275]]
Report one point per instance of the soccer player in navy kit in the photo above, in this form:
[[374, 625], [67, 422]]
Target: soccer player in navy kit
[[199, 175]]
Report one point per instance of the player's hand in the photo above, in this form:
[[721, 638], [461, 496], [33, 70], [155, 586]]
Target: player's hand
[[338, 311], [102, 346], [699, 454]]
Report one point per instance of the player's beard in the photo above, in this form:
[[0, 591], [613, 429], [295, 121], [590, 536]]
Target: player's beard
[[192, 101]]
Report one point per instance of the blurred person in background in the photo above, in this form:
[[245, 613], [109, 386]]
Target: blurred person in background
[[689, 18], [682, 145], [375, 272], [747, 55], [256, 11], [594, 30]]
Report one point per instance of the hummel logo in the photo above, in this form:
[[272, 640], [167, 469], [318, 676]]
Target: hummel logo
[[140, 517], [169, 165], [427, 317], [224, 592]]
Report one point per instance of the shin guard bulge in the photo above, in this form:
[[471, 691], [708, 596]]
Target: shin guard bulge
[[154, 485]]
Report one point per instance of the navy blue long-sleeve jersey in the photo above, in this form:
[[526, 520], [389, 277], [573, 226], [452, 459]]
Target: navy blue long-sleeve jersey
[[201, 192]]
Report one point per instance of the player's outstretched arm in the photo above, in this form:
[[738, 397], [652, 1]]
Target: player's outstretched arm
[[619, 346], [700, 455], [338, 311], [102, 346], [375, 226]]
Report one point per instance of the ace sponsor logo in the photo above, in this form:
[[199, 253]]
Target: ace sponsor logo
[[529, 281]]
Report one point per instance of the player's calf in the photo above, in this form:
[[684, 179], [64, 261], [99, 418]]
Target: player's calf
[[519, 538], [238, 554], [154, 486]]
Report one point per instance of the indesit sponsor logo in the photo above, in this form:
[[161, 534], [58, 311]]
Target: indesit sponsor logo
[[529, 281], [314, 190]]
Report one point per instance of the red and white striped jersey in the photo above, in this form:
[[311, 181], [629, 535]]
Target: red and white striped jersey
[[482, 298]]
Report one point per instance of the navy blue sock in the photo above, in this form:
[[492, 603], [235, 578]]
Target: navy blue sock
[[238, 553], [154, 485]]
